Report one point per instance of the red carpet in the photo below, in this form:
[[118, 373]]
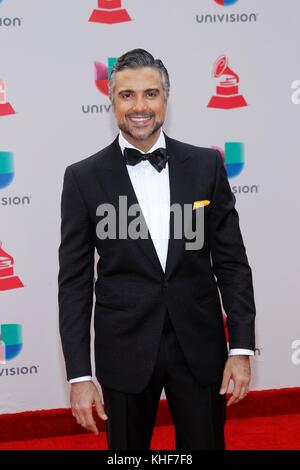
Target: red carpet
[[275, 425]]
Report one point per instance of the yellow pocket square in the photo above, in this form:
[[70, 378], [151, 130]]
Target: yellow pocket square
[[203, 203]]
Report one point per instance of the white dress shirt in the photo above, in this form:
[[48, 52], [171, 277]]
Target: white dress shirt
[[152, 189]]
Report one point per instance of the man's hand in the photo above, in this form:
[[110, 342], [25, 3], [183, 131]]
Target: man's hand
[[238, 369], [83, 396]]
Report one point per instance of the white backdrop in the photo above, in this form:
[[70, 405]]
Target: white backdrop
[[47, 55]]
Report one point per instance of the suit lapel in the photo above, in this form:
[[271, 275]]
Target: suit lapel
[[181, 173], [115, 181]]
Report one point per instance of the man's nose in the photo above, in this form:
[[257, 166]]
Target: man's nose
[[140, 104]]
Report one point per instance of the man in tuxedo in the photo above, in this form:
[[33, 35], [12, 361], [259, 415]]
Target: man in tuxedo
[[158, 319]]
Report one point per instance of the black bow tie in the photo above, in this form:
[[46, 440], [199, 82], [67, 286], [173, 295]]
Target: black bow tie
[[158, 158]]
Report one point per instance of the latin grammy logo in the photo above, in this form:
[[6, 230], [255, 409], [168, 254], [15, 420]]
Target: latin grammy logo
[[5, 107], [7, 278], [109, 12], [227, 91]]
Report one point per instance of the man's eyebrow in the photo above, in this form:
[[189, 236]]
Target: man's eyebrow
[[152, 89], [125, 91], [128, 90]]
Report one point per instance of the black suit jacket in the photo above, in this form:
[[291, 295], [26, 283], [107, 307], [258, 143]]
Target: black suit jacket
[[133, 292]]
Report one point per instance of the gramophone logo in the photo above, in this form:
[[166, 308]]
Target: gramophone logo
[[234, 157], [7, 171], [109, 12], [5, 107], [102, 73], [227, 91], [10, 342], [226, 3], [8, 280]]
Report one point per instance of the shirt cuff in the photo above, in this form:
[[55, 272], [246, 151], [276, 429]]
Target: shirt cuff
[[240, 352], [80, 379]]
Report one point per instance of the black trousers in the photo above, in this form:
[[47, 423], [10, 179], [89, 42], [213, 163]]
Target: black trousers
[[198, 411]]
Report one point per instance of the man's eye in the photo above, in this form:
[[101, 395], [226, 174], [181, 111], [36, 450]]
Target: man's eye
[[151, 94], [126, 95]]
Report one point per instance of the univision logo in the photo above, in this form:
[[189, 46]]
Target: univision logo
[[15, 22], [10, 21], [7, 174], [11, 345], [7, 22], [102, 73], [226, 3], [227, 17], [6, 169], [10, 342], [233, 156]]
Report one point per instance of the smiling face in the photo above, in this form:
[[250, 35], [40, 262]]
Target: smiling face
[[139, 105]]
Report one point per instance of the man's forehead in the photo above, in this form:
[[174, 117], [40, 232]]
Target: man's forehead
[[142, 77]]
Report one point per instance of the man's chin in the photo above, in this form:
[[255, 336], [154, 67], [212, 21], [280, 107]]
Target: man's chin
[[140, 135]]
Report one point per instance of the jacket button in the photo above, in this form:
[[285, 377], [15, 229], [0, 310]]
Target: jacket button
[[166, 284]]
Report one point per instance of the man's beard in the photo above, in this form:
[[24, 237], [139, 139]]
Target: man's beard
[[135, 135]]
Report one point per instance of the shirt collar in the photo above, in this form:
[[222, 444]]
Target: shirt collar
[[160, 143]]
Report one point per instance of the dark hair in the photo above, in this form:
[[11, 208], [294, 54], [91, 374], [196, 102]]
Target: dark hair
[[136, 59]]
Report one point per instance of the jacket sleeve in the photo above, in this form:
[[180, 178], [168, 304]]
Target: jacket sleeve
[[230, 263], [75, 279]]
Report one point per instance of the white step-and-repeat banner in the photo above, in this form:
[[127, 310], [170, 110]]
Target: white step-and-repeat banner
[[235, 85]]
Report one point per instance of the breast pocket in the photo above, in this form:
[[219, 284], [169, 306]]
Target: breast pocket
[[196, 225]]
